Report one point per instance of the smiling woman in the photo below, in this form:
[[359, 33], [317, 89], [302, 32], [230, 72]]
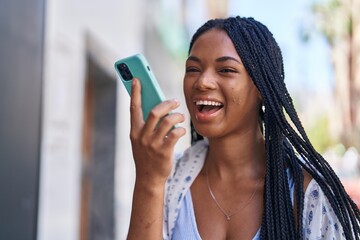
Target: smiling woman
[[236, 181]]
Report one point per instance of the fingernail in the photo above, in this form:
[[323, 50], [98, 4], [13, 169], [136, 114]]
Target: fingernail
[[176, 101]]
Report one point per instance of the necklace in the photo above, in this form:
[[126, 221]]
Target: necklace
[[229, 215]]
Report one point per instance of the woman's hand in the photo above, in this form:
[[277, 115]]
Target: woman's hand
[[153, 141], [153, 144]]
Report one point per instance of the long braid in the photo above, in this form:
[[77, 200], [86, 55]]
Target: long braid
[[298, 178], [262, 59]]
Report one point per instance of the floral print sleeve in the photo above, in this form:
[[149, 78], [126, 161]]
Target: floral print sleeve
[[319, 219]]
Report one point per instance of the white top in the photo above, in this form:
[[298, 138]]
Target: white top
[[319, 220]]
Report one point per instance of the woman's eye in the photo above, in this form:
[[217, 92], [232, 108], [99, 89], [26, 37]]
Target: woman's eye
[[191, 69], [228, 70]]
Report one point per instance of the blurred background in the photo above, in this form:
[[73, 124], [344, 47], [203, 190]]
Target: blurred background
[[66, 169]]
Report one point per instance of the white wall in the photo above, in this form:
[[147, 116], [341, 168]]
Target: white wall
[[117, 25]]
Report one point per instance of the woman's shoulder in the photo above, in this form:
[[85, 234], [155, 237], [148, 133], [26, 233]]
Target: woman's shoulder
[[307, 179], [319, 218], [186, 167], [192, 157]]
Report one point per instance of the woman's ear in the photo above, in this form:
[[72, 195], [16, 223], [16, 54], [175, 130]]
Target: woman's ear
[[260, 97]]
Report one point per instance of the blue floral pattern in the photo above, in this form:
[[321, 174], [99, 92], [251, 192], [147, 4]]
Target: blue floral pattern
[[319, 219]]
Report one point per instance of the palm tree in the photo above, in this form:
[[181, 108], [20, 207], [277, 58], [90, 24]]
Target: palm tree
[[339, 22]]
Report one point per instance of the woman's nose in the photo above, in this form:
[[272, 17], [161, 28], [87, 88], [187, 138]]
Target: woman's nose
[[205, 82]]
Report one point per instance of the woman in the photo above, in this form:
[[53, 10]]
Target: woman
[[253, 176]]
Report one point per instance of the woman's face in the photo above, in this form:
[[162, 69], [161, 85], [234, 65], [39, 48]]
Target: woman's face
[[220, 95]]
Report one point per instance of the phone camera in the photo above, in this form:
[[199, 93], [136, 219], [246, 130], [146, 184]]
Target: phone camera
[[125, 72]]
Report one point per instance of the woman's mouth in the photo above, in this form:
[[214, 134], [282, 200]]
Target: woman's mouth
[[208, 107]]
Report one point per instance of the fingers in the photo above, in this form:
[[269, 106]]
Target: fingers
[[159, 122], [166, 134], [167, 123], [157, 113], [136, 115], [173, 136]]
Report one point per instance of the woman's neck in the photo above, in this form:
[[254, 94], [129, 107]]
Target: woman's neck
[[240, 156]]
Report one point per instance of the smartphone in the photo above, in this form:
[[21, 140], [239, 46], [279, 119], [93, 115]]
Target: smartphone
[[137, 66]]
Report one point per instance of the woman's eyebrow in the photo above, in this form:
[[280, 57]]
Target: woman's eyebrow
[[220, 59], [193, 58], [227, 58]]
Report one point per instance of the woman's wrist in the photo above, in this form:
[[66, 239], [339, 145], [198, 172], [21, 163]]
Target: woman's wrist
[[147, 210], [150, 186]]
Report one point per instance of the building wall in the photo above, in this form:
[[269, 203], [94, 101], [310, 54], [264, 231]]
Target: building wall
[[117, 27]]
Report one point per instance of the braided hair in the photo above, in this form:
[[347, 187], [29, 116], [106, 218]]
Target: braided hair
[[286, 147]]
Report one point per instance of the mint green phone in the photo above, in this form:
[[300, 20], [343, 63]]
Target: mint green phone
[[137, 66]]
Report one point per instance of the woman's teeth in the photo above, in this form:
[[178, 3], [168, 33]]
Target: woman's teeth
[[208, 106], [208, 103]]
